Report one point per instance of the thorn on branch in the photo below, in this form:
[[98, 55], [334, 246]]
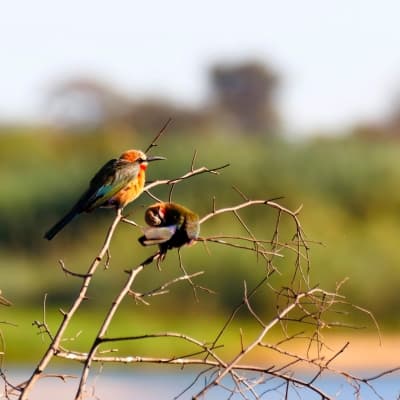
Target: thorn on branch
[[244, 197], [72, 273], [130, 222], [193, 161], [138, 297], [297, 212], [108, 259]]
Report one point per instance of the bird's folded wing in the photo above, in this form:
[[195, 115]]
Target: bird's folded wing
[[111, 178], [157, 235]]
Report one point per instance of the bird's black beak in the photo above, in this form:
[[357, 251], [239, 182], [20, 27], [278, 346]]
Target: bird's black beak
[[154, 158]]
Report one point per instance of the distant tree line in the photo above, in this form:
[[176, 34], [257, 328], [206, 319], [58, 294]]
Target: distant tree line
[[243, 99]]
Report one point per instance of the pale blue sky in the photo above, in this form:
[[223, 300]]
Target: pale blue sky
[[339, 60]]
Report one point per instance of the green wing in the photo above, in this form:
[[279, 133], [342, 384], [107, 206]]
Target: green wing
[[108, 181]]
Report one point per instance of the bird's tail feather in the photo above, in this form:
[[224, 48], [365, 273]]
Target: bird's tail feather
[[60, 225]]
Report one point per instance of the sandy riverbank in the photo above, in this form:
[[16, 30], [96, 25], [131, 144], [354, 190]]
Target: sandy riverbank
[[360, 352]]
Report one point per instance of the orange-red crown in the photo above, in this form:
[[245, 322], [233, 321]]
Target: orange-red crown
[[133, 155]]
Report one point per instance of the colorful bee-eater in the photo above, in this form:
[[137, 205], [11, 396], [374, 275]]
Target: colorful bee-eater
[[120, 181], [170, 225]]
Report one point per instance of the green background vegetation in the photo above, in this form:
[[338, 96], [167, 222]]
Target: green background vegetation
[[348, 188]]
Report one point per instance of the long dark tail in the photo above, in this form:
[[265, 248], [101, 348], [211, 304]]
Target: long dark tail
[[60, 224]]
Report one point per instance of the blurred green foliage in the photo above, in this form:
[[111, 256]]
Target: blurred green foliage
[[348, 189]]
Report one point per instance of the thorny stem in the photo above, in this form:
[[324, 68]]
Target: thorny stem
[[236, 360], [106, 323], [54, 346], [216, 366], [67, 316]]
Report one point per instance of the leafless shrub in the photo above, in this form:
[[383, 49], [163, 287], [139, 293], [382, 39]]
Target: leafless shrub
[[301, 313]]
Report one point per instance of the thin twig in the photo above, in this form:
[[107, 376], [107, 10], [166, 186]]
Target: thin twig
[[106, 323], [159, 134]]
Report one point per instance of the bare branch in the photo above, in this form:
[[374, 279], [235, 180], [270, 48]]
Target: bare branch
[[107, 321], [159, 134], [54, 346], [300, 312], [198, 171]]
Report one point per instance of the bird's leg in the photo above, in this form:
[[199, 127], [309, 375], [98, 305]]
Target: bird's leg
[[158, 263], [160, 258]]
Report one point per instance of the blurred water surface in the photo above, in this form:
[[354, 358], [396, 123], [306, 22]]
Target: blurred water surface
[[157, 383]]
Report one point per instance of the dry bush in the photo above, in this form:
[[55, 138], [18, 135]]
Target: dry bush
[[301, 313]]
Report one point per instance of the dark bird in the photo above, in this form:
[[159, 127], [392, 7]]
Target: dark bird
[[170, 226], [120, 181]]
